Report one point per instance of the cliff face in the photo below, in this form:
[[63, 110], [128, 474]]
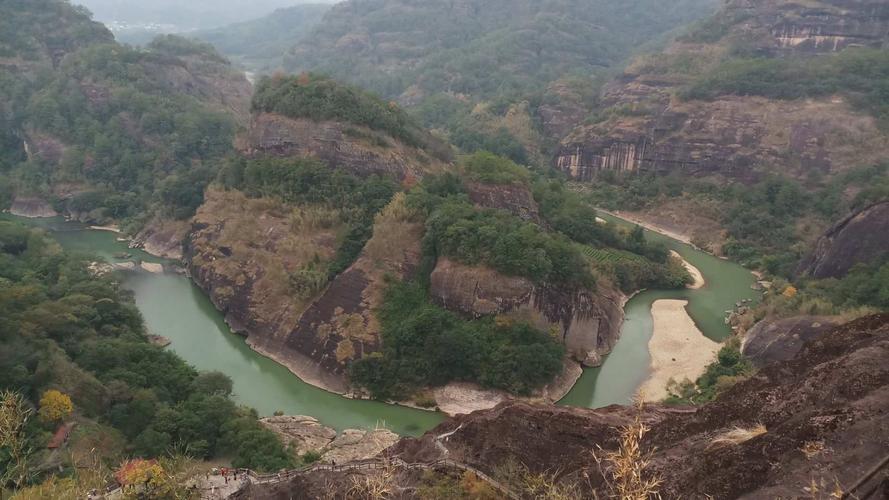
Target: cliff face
[[249, 254], [243, 251], [358, 150], [340, 326], [862, 237], [587, 322], [649, 129]]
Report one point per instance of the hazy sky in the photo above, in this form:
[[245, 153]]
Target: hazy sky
[[186, 14]]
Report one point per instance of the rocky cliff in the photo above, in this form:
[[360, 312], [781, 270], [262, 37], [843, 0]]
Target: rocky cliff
[[250, 256], [862, 237], [358, 150], [646, 127], [514, 198], [586, 321], [340, 325]]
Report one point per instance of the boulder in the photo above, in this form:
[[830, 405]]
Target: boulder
[[862, 237], [773, 340]]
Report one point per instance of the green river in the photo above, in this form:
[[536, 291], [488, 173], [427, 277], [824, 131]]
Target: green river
[[177, 309]]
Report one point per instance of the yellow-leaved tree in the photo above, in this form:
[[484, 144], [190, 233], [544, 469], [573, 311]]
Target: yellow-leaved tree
[[55, 406]]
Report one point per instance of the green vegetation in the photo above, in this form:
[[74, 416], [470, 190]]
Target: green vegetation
[[260, 44], [319, 98], [425, 345], [729, 368], [511, 246], [861, 74], [478, 52], [35, 29], [64, 329], [308, 181], [492, 169], [769, 224]]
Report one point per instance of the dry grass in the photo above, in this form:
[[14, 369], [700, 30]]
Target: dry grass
[[546, 487], [737, 436], [820, 489], [812, 449], [374, 486], [624, 469]]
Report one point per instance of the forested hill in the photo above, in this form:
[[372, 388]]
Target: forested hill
[[260, 44], [482, 48], [104, 130], [34, 31]]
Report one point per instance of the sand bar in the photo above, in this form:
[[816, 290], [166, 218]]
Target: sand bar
[[697, 277], [678, 348]]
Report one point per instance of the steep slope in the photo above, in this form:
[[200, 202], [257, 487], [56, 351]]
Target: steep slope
[[717, 102]]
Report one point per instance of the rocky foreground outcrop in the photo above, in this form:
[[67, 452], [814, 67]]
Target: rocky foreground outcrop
[[772, 340], [819, 418], [862, 237]]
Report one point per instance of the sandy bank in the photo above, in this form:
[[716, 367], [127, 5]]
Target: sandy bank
[[684, 238], [697, 277], [111, 228], [678, 349]]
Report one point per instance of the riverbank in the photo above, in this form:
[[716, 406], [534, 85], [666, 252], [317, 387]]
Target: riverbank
[[678, 236], [678, 349]]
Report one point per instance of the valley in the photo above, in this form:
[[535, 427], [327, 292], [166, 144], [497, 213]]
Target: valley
[[464, 249]]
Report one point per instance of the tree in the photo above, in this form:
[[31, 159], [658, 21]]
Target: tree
[[55, 406]]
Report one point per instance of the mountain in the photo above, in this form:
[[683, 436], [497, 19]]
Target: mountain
[[478, 70], [99, 129], [480, 49], [752, 133], [259, 45]]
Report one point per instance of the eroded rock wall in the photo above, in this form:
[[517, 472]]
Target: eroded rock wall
[[588, 322]]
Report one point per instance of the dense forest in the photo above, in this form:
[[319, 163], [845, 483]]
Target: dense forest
[[74, 346], [116, 132]]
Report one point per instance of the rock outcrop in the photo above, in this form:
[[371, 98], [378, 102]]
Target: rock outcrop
[[862, 237], [32, 207], [305, 434], [514, 198], [772, 340], [162, 238], [358, 150], [588, 322], [245, 253]]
